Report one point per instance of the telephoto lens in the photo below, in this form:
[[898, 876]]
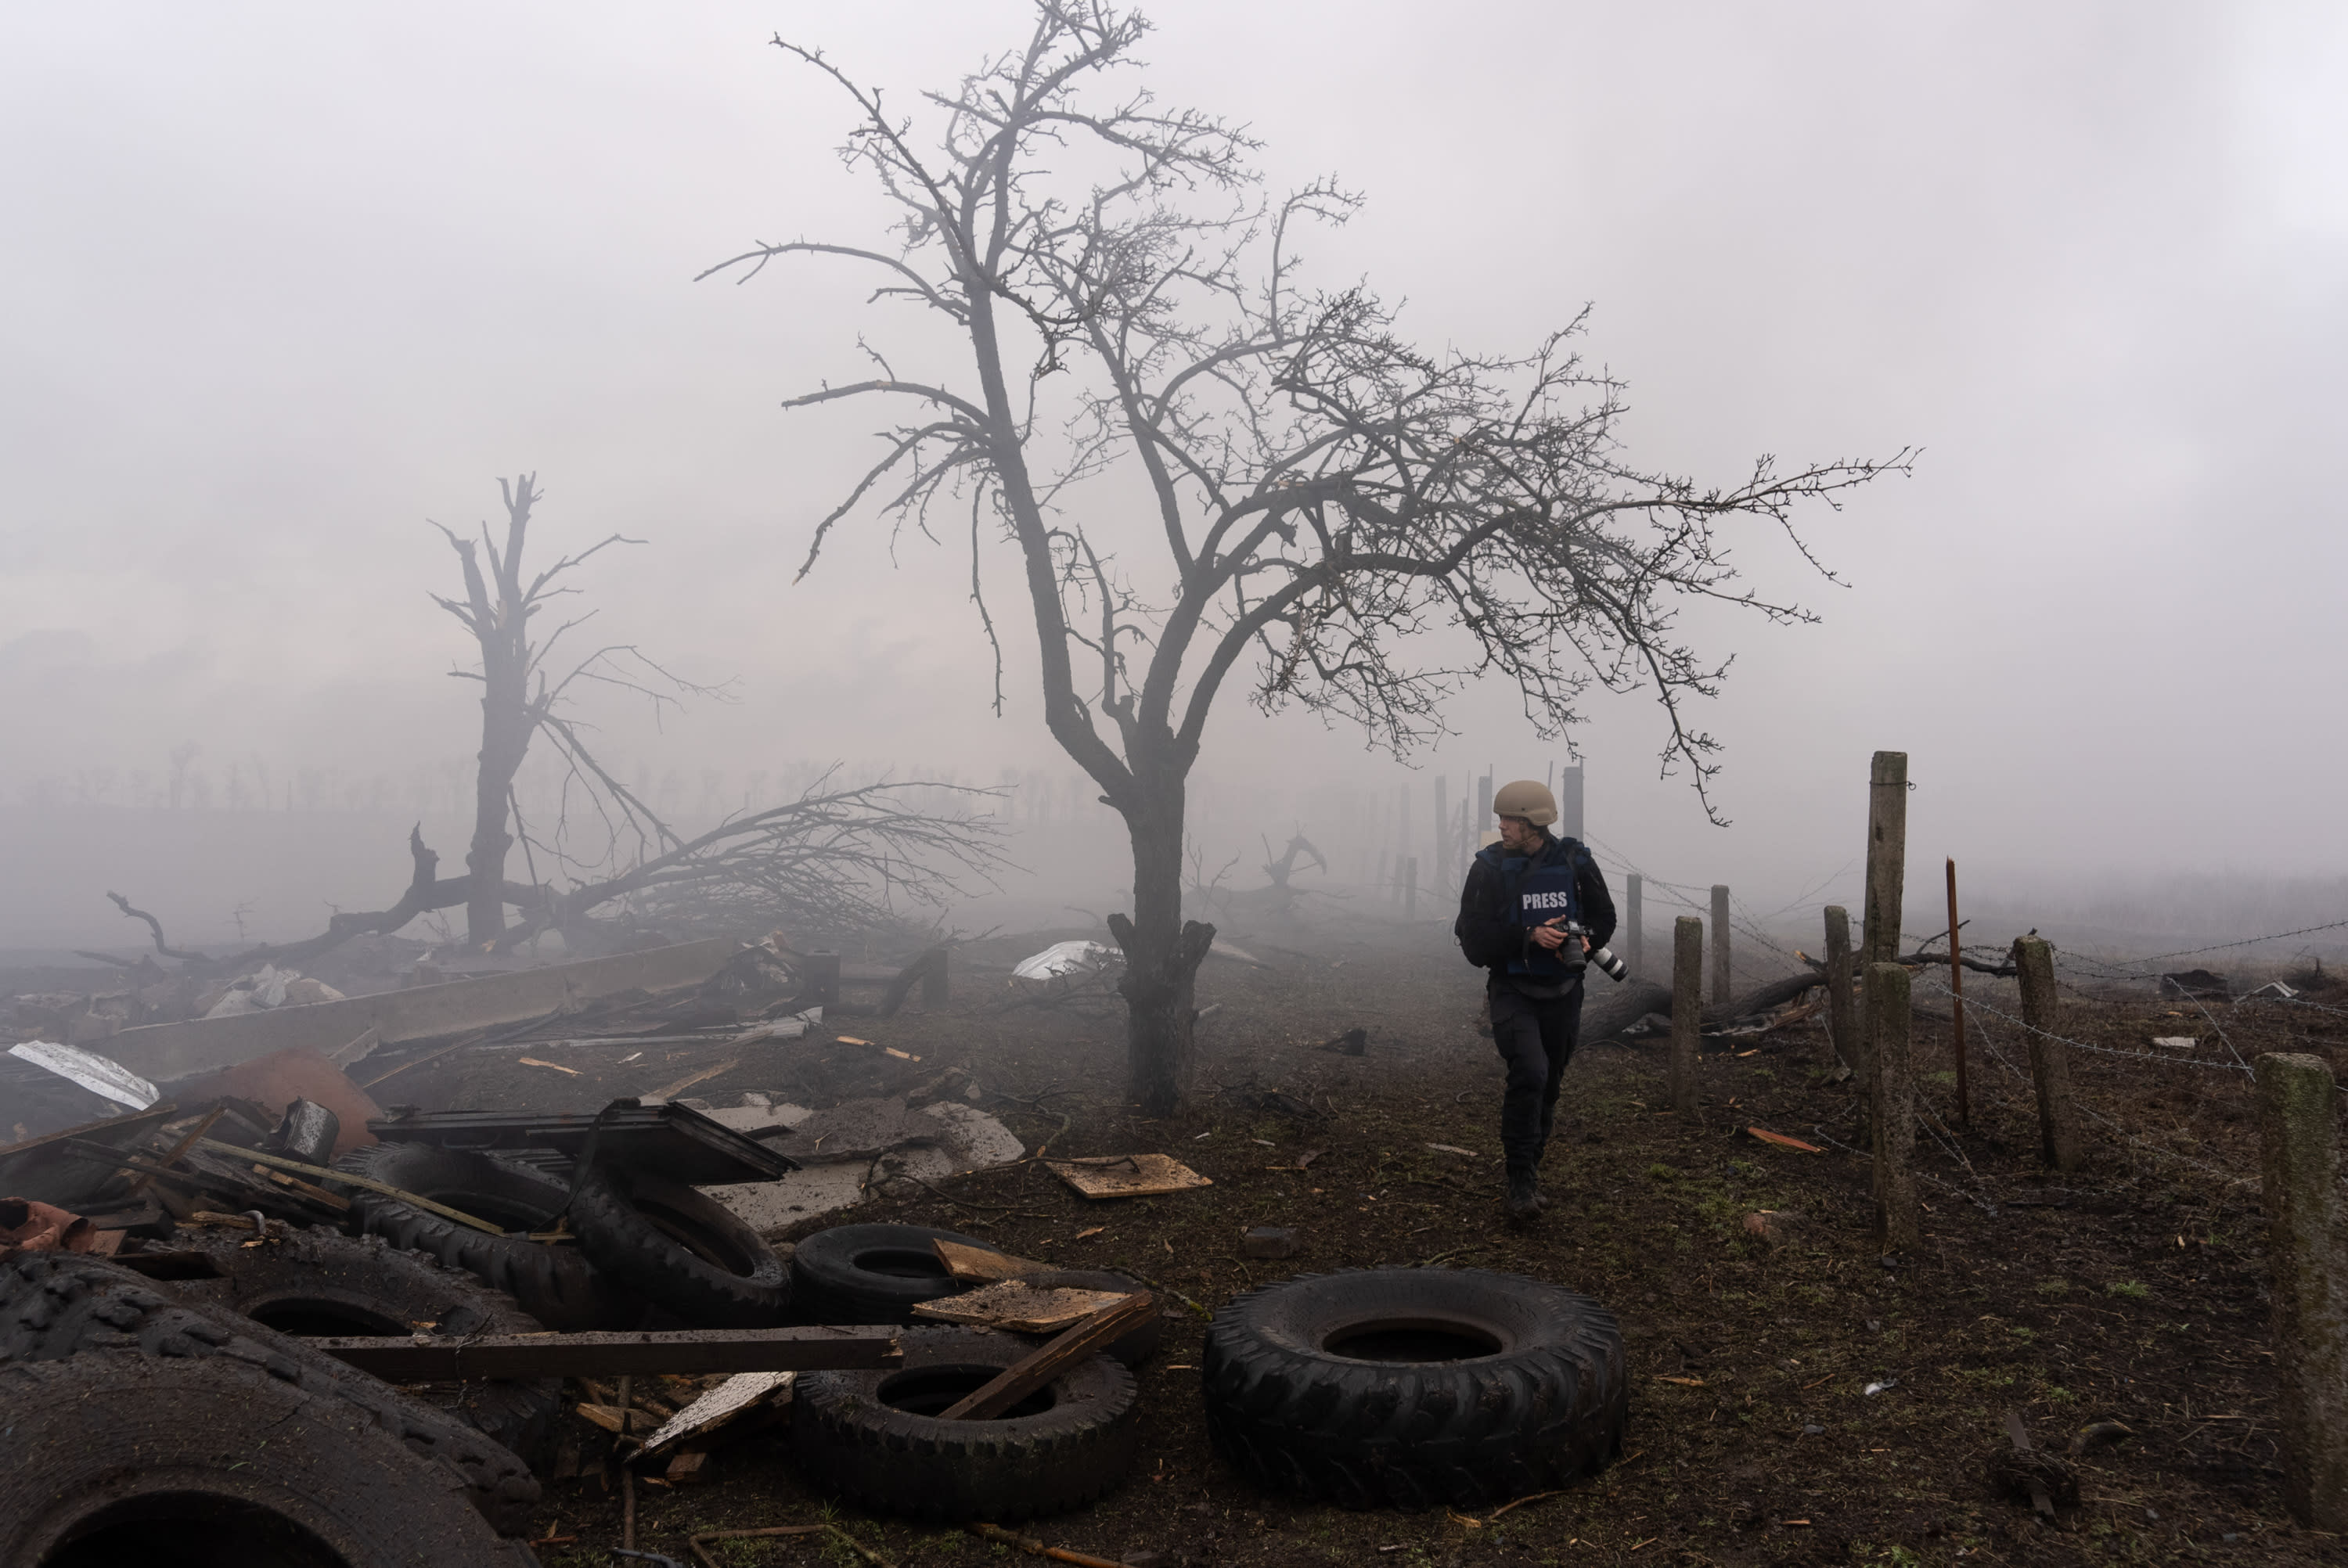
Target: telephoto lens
[[1604, 958]]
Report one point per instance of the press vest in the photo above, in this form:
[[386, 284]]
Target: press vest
[[1535, 893]]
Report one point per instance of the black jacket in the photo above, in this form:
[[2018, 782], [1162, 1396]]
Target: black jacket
[[1486, 929]]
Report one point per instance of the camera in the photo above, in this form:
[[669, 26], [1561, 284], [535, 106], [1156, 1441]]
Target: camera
[[1599, 957]]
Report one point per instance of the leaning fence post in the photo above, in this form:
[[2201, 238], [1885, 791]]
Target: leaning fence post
[[1687, 1009], [2308, 1283], [2050, 1064], [1719, 985], [1887, 874], [1842, 1023], [1634, 922], [1896, 1223]]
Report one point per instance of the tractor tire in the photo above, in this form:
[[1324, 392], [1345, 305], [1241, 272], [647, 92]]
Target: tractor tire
[[679, 1249], [131, 1414], [1414, 1388], [556, 1285], [871, 1272], [875, 1438]]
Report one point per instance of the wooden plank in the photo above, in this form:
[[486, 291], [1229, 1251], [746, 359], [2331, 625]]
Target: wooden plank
[[1126, 1175], [1035, 1369], [1018, 1306], [615, 1355], [982, 1263]]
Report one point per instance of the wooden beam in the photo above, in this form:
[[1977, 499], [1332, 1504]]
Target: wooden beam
[[687, 1352], [1031, 1372]]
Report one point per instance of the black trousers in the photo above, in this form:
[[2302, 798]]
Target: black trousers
[[1535, 1040]]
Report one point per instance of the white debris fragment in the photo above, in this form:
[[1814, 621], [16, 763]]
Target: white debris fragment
[[1066, 958], [99, 1074]]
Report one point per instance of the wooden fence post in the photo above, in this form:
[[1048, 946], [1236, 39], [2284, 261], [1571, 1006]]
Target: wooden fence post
[[823, 979], [1634, 922], [1842, 1022], [2309, 1283], [1720, 987], [937, 980], [1442, 838], [1898, 1225], [1957, 1003], [1687, 1009], [2050, 1064], [1887, 874], [1410, 889]]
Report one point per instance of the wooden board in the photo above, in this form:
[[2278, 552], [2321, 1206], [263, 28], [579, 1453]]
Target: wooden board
[[1087, 1338], [981, 1263], [741, 1393], [1019, 1306], [417, 1361], [1126, 1175]]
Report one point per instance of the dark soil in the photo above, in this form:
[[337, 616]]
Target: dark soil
[[2129, 1293]]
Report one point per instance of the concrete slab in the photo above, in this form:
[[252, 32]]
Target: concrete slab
[[968, 1139]]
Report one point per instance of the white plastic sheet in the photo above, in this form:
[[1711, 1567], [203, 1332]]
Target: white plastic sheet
[[99, 1074], [1066, 958]]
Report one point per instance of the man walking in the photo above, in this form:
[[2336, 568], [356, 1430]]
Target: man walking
[[1523, 893]]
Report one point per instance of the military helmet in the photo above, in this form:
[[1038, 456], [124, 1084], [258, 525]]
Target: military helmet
[[1528, 798]]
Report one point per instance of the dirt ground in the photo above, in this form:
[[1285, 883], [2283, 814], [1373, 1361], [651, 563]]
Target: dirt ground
[[2129, 1293]]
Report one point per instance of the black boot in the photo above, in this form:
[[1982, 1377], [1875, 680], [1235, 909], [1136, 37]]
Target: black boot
[[1524, 1201]]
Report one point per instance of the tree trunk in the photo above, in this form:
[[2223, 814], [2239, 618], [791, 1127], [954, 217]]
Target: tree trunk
[[1162, 954], [506, 735]]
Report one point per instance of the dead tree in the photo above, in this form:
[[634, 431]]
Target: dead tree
[[1319, 487], [838, 857]]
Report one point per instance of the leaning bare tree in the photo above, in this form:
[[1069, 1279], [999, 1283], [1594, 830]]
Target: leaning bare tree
[[836, 857], [1316, 488]]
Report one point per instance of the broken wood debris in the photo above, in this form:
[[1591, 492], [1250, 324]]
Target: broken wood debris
[[984, 1264], [534, 1061], [1037, 1368], [736, 1397], [1037, 1549], [883, 1050], [1126, 1175], [1783, 1142]]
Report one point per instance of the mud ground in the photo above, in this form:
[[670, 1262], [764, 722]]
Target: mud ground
[[2132, 1291]]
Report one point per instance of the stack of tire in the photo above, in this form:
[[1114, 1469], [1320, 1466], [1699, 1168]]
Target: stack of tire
[[141, 1427], [876, 1438], [651, 1251]]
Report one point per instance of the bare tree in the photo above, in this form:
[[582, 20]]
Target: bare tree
[[1318, 488]]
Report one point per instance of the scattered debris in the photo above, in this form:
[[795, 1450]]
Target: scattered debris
[[101, 1075], [2274, 988], [534, 1061], [2176, 1042], [1352, 1043], [1455, 1149], [1126, 1175], [983, 1264], [2098, 1433], [1062, 960], [29, 1226], [1884, 1387], [2199, 984], [1773, 1225], [1037, 1549], [1270, 1241], [1782, 1142], [739, 1395], [2033, 1475]]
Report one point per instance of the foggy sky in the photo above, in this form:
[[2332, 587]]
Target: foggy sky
[[286, 281]]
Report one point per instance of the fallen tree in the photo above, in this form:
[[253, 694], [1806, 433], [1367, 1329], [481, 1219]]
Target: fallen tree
[[1607, 1014]]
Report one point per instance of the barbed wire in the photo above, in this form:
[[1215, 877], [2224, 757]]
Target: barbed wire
[[1973, 1004], [2117, 969]]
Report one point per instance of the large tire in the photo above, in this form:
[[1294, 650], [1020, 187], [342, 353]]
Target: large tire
[[1135, 1345], [318, 1283], [865, 1435], [555, 1285], [119, 1400], [116, 1457], [679, 1249], [872, 1273], [1414, 1388]]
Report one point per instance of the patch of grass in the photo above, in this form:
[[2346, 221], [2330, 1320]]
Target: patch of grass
[[1659, 1172], [2056, 1394], [2127, 1289], [2050, 1287]]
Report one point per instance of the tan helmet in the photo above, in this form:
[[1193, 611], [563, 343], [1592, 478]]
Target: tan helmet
[[1528, 798]]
